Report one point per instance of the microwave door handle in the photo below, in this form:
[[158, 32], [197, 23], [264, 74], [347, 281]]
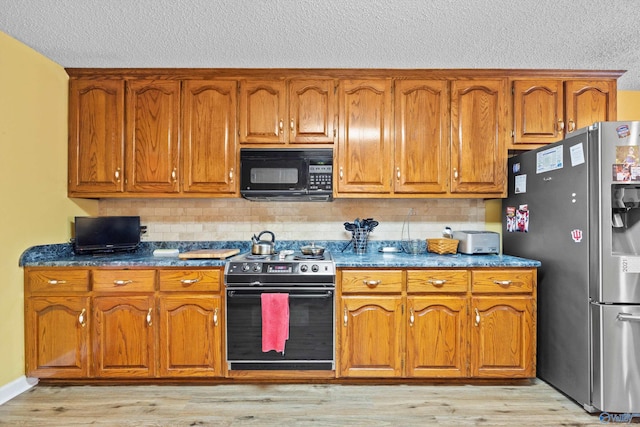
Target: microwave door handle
[[628, 317]]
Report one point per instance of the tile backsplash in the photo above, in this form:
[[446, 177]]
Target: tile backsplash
[[239, 219]]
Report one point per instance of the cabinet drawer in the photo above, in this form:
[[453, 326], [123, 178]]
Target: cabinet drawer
[[58, 280], [124, 280], [379, 281], [437, 281], [502, 281], [190, 280]]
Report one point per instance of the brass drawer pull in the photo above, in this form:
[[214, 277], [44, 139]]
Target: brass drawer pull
[[122, 282], [189, 281], [477, 317], [215, 316], [437, 282], [149, 320], [411, 317], [56, 282], [372, 283], [81, 319], [503, 282]]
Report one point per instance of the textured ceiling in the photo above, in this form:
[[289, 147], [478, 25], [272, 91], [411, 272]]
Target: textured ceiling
[[577, 34]]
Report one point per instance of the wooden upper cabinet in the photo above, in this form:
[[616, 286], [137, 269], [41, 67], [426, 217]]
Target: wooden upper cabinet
[[96, 136], [152, 157], [311, 111], [546, 110], [208, 136], [262, 111], [478, 136], [364, 148], [538, 111], [421, 136], [589, 101], [287, 112]]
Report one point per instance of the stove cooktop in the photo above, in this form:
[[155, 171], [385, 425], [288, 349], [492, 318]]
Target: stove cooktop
[[284, 267]]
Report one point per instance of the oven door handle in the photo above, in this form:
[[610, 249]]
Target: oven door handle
[[232, 294]]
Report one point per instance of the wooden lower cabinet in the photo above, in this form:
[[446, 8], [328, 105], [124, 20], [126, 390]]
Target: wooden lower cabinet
[[190, 336], [371, 343], [437, 336], [57, 336], [503, 337], [124, 336], [123, 323], [445, 323]]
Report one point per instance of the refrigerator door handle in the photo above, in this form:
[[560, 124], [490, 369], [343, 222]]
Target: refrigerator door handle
[[628, 317]]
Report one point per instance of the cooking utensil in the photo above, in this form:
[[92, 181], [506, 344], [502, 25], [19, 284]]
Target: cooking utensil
[[263, 247], [312, 249]]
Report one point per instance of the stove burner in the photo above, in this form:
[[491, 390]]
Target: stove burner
[[257, 256], [308, 257]]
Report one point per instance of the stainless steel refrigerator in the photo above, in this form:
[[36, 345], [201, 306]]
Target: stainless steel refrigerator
[[575, 206]]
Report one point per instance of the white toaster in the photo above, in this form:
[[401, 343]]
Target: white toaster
[[477, 242]]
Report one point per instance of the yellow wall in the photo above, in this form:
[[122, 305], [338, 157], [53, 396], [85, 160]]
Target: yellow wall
[[33, 159]]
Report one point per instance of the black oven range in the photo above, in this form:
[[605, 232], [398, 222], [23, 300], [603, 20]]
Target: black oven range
[[306, 284]]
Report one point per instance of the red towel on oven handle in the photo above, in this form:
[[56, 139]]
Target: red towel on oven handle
[[275, 321]]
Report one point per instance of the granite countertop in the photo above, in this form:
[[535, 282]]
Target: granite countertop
[[62, 255]]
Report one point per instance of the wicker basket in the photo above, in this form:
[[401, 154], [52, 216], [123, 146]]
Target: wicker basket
[[442, 246]]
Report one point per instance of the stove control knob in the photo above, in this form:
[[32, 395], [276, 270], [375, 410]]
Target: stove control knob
[[304, 268], [245, 267], [315, 268], [256, 267]]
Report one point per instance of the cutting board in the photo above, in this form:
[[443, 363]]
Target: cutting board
[[209, 254]]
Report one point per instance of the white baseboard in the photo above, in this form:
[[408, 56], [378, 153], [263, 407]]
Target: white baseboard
[[15, 388]]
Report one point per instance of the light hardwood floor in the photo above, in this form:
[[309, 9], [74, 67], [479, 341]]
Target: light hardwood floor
[[535, 404]]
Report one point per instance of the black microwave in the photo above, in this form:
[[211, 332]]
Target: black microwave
[[286, 174]]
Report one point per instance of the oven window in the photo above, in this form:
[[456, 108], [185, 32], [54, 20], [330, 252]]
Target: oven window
[[311, 334], [274, 176]]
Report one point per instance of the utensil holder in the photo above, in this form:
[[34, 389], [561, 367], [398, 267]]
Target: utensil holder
[[360, 238]]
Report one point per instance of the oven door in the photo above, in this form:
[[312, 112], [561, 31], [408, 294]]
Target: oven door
[[311, 343]]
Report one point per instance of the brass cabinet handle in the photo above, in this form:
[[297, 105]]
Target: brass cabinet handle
[[437, 282], [345, 318], [189, 281], [503, 282], [411, 317], [122, 282], [560, 125], [215, 316], [231, 175], [149, 319], [372, 283], [117, 175], [398, 174], [174, 174], [477, 322], [281, 125], [56, 282], [572, 126], [455, 173], [341, 173], [81, 318], [292, 125]]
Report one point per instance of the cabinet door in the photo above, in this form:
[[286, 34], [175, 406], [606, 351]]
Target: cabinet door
[[96, 136], [478, 136], [262, 111], [57, 334], [589, 101], [421, 136], [208, 136], [371, 341], [437, 336], [503, 337], [190, 336], [364, 147], [312, 105], [152, 136], [538, 107], [123, 336]]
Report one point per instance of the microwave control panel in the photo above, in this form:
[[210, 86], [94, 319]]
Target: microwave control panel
[[321, 177]]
